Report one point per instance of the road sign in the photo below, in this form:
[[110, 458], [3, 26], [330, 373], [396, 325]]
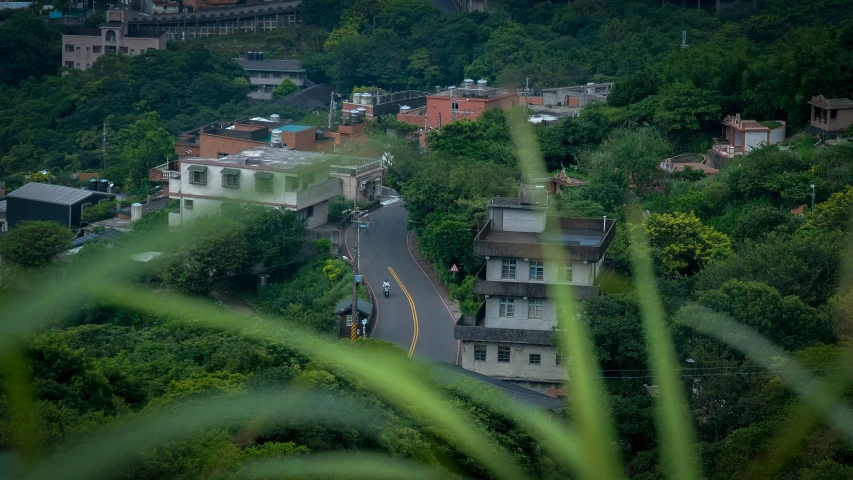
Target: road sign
[[454, 268], [358, 279], [364, 321]]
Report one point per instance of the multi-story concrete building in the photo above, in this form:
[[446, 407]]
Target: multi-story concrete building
[[830, 116], [81, 47], [512, 335], [266, 75], [271, 176]]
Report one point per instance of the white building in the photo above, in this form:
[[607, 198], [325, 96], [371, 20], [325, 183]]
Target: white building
[[512, 335], [270, 176]]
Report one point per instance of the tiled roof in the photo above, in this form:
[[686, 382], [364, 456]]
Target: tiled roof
[[57, 194]]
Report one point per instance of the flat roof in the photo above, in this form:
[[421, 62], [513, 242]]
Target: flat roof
[[582, 238], [271, 65], [266, 158], [58, 194], [293, 128]]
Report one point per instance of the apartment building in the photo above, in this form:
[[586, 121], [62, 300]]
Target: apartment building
[[270, 176], [81, 46], [511, 337]]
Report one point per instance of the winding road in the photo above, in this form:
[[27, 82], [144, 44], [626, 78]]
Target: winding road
[[415, 317]]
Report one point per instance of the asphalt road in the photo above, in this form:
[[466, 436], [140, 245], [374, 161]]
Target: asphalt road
[[419, 322]]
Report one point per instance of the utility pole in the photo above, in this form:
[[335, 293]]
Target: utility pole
[[331, 103], [104, 148], [451, 104], [813, 195]]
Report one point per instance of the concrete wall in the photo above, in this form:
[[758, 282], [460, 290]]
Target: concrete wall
[[320, 215], [301, 140], [521, 319], [518, 367], [517, 220], [753, 140], [470, 108], [83, 54]]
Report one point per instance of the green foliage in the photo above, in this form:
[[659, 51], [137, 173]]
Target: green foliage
[[634, 153], [834, 214], [322, 246], [28, 48], [143, 145], [446, 241], [286, 87], [683, 244], [100, 211], [34, 244]]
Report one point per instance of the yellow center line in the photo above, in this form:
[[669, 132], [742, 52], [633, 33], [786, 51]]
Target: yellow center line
[[414, 311]]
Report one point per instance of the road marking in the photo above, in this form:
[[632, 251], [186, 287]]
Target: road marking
[[390, 201], [414, 311]]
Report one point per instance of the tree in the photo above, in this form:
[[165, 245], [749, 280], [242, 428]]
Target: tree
[[273, 236], [681, 106], [34, 243], [286, 87], [447, 240], [834, 214], [635, 153], [787, 321], [617, 331], [141, 146], [683, 244]]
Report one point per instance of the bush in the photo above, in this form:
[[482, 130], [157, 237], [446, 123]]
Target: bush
[[101, 211]]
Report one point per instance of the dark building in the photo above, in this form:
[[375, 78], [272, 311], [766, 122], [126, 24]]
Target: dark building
[[343, 312], [41, 201]]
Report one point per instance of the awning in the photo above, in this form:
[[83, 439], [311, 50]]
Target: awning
[[197, 168], [263, 174], [231, 171]]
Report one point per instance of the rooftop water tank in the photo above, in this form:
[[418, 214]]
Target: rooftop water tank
[[405, 109], [366, 99], [250, 55], [275, 118], [482, 84], [93, 185], [356, 98], [468, 83], [259, 56], [103, 185], [275, 137]]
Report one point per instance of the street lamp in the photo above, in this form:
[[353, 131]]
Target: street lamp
[[812, 185]]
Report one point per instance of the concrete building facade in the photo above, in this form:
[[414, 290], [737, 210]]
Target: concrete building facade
[[266, 75], [270, 176], [830, 116], [511, 336], [81, 47]]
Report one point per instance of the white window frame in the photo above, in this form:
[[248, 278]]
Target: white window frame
[[536, 308], [349, 320], [507, 307], [509, 268], [566, 272], [537, 271]]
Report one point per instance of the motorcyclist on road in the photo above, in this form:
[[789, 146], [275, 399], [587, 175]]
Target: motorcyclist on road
[[386, 286]]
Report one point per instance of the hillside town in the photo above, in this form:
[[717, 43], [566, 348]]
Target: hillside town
[[499, 239]]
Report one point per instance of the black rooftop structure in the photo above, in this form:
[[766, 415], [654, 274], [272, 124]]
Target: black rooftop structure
[[42, 201], [308, 99], [447, 374], [365, 308]]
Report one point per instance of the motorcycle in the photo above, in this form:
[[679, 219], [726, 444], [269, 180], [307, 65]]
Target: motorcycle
[[387, 291]]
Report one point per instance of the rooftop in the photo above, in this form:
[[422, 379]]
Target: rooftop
[[293, 128], [270, 158], [834, 103], [271, 65], [346, 306], [44, 192], [583, 238], [447, 374], [309, 98]]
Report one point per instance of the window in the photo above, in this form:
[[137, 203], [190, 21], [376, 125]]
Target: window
[[88, 65], [534, 308], [537, 271], [565, 272], [454, 106], [535, 359], [560, 359], [69, 64], [96, 49], [132, 50], [349, 320], [87, 49], [263, 182], [77, 65], [198, 174], [479, 353], [123, 49], [78, 49], [508, 269], [230, 178], [503, 354], [69, 47], [111, 36], [188, 204], [507, 307], [305, 214]]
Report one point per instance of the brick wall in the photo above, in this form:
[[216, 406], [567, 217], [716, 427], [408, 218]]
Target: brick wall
[[212, 145]]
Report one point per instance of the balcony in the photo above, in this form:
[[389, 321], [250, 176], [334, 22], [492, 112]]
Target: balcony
[[164, 172], [585, 239], [318, 194], [471, 328], [727, 151], [354, 170]]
